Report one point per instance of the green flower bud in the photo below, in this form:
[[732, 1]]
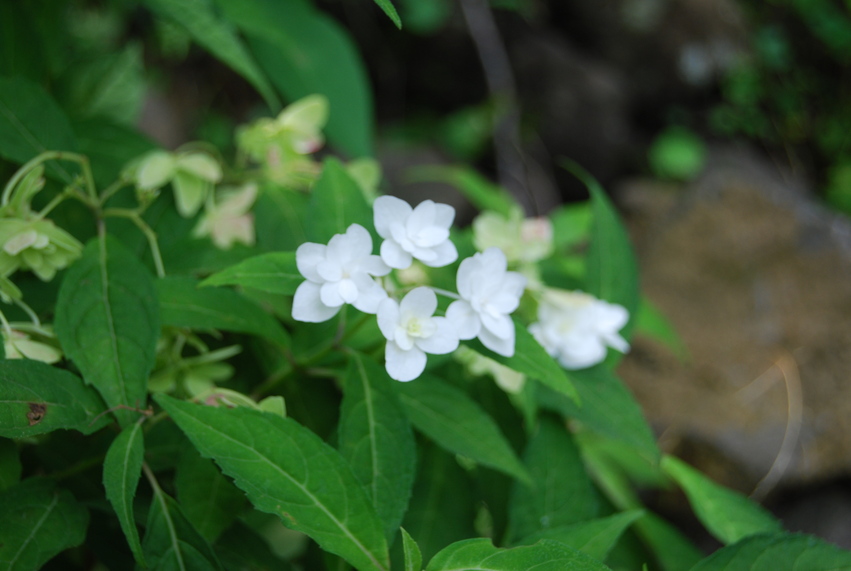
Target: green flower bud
[[191, 174], [36, 245], [19, 345]]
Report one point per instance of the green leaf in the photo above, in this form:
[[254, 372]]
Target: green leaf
[[413, 557], [673, 550], [778, 552], [297, 46], [31, 122], [458, 424], [218, 36], [109, 146], [37, 522], [107, 321], [561, 492], [594, 537], [728, 515], [571, 225], [170, 540], [37, 398], [481, 192], [240, 548], [612, 272], [375, 438], [607, 408], [481, 555], [287, 470], [122, 469], [275, 272], [651, 322], [209, 500], [280, 219], [533, 361], [336, 202], [184, 304], [10, 464], [390, 10]]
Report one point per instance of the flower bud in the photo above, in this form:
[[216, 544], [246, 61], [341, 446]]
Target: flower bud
[[36, 245]]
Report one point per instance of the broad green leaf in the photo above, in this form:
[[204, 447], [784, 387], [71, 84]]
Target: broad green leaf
[[275, 272], [533, 361], [571, 225], [778, 552], [21, 52], [561, 492], [481, 192], [449, 417], [376, 440], [209, 500], [390, 10], [481, 555], [219, 37], [336, 202], [607, 408], [36, 398], [170, 540], [107, 321], [280, 219], [287, 470], [122, 469], [10, 464], [297, 45], [612, 272], [413, 557], [651, 322], [595, 537], [31, 122], [728, 515], [37, 522], [673, 550], [184, 304]]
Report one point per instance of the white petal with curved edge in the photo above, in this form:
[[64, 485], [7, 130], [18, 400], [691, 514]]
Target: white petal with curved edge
[[443, 340], [421, 218], [307, 257], [348, 290], [329, 271], [358, 242], [374, 266], [615, 341], [329, 294], [444, 215], [308, 307], [582, 353], [388, 318], [431, 236], [386, 210], [370, 298], [465, 320], [504, 347], [466, 277], [446, 254], [501, 325], [421, 302], [394, 256], [404, 365]]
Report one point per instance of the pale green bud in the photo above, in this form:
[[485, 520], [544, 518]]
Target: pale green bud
[[19, 345], [36, 245]]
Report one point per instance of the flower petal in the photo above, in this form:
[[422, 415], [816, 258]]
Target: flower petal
[[404, 365], [369, 298], [444, 215], [307, 306], [394, 256], [499, 345], [420, 302], [388, 318], [445, 255], [358, 242], [307, 257], [443, 340], [386, 210], [431, 236], [330, 295], [499, 325], [348, 290], [374, 266], [421, 218], [465, 320]]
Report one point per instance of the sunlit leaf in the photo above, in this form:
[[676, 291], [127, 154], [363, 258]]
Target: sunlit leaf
[[390, 10], [481, 555], [778, 552], [275, 272], [413, 557], [122, 468]]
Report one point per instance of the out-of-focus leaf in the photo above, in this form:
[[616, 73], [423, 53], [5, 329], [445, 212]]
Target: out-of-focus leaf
[[37, 522], [571, 225], [287, 470], [390, 10], [184, 304], [481, 192], [240, 548], [778, 552], [209, 500], [450, 418], [275, 272], [10, 464], [109, 146], [122, 468], [728, 515], [336, 202], [561, 492], [651, 322], [481, 555], [376, 439], [37, 398], [107, 321], [280, 219], [595, 537]]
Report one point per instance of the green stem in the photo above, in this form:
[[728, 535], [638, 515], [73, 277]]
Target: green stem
[[134, 217], [82, 160], [57, 200], [112, 189], [6, 326], [272, 381], [28, 310]]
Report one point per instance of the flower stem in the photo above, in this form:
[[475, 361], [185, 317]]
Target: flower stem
[[444, 292], [134, 217]]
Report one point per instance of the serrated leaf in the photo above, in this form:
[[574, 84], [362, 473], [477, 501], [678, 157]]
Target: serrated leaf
[[36, 398], [778, 552], [561, 492], [450, 418], [122, 469], [390, 10], [287, 470], [607, 408], [375, 438], [219, 37], [37, 522], [10, 464], [209, 500], [170, 540], [481, 555], [413, 557], [533, 361], [728, 515], [336, 202], [107, 321], [184, 304], [594, 537], [275, 272]]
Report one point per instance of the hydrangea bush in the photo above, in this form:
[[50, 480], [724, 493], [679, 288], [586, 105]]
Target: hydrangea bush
[[266, 360]]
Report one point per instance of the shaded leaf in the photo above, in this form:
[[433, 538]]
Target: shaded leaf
[[275, 272], [122, 469], [36, 398], [10, 464], [481, 555], [594, 537], [280, 219], [778, 552], [287, 470], [109, 146], [240, 548], [107, 321], [208, 499], [37, 522], [450, 418], [375, 438], [484, 194], [336, 202]]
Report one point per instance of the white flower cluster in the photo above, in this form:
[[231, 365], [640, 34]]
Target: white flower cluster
[[345, 271]]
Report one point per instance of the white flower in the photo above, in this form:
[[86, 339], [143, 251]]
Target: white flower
[[489, 294], [524, 240], [412, 331], [229, 221], [338, 273], [576, 328], [421, 232]]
